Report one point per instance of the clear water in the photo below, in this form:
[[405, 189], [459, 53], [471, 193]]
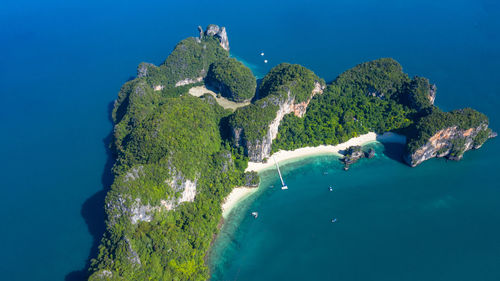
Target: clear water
[[64, 61], [392, 223]]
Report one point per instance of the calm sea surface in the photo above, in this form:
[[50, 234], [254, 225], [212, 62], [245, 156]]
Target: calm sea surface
[[63, 62]]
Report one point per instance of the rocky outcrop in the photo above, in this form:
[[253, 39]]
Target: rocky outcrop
[[200, 30], [136, 210], [354, 153], [261, 149], [432, 93], [133, 257], [158, 88], [188, 81], [218, 32], [143, 69], [451, 143], [224, 41]]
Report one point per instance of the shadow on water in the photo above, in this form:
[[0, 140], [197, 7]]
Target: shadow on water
[[394, 151], [93, 209]]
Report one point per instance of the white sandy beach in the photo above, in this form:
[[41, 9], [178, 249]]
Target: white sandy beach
[[236, 195], [283, 155], [240, 193]]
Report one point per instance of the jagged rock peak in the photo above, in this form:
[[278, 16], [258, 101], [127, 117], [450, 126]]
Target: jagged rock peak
[[432, 93], [216, 31], [200, 30]]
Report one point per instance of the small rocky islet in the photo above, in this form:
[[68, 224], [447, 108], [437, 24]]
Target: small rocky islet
[[354, 153], [178, 155]]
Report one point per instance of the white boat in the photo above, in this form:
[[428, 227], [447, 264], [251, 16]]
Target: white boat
[[265, 61], [262, 54], [255, 214], [331, 188], [283, 185]]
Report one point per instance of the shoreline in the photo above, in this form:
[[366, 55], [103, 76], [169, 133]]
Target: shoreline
[[284, 155], [237, 195]]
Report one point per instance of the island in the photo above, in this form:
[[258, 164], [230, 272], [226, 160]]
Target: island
[[191, 130]]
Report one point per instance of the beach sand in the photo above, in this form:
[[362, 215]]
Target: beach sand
[[284, 155], [236, 196], [240, 193]]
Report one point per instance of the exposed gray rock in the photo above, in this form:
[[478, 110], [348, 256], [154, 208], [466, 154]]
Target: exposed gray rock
[[188, 81], [212, 30], [132, 254], [103, 274], [432, 93], [136, 210], [143, 69], [224, 41], [219, 32], [200, 30], [134, 173], [259, 150], [354, 153]]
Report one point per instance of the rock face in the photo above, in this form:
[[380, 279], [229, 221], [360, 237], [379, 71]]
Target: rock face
[[261, 149], [432, 93], [188, 81], [354, 153], [219, 32], [450, 143], [143, 69], [136, 210]]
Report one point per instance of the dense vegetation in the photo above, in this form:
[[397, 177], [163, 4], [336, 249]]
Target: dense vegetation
[[179, 141], [349, 107], [137, 98], [255, 118], [165, 140], [233, 79], [437, 120], [190, 59], [293, 78], [416, 95], [383, 77]]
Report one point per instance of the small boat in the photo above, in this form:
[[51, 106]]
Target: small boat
[[265, 61], [283, 185], [255, 214], [262, 54], [334, 220], [331, 188]]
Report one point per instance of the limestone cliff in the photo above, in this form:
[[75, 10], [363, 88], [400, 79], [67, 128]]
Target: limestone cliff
[[218, 32], [451, 143], [260, 149], [432, 93], [135, 210]]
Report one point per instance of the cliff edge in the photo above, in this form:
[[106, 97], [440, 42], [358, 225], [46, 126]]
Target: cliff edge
[[447, 134]]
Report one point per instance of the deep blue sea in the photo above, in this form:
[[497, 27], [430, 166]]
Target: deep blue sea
[[63, 62]]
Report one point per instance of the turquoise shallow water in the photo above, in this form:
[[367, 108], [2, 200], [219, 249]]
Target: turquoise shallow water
[[435, 222], [64, 61]]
